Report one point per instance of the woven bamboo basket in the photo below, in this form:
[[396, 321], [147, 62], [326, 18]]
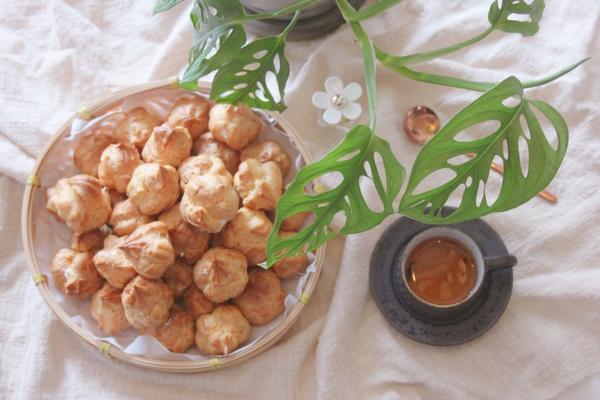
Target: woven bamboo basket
[[210, 364]]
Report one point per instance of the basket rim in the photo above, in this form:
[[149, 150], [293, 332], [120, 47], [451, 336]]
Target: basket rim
[[211, 364]]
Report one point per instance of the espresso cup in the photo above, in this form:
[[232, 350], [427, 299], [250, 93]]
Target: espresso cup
[[483, 266]]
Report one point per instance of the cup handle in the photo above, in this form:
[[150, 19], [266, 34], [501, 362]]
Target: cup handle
[[499, 262]]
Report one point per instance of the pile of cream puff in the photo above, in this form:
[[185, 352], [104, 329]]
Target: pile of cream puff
[[169, 222]]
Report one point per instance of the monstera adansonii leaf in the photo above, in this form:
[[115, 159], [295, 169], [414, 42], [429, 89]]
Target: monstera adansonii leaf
[[504, 17], [355, 157], [468, 162]]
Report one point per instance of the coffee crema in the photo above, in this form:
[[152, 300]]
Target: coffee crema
[[441, 271]]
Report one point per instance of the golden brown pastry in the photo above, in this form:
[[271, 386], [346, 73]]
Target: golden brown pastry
[[117, 163], [208, 202], [114, 266], [153, 188], [126, 217], [259, 184], [248, 232], [222, 331], [147, 303], [188, 241], [74, 273], [89, 149], [236, 126], [190, 113], [80, 201], [150, 250], [202, 164], [107, 310], [290, 267], [178, 277], [177, 334], [168, 146], [268, 151], [113, 241], [137, 127], [206, 144], [263, 299], [196, 303], [221, 274], [88, 241], [294, 222], [115, 197]]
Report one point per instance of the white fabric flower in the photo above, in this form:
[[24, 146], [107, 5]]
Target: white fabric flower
[[338, 101]]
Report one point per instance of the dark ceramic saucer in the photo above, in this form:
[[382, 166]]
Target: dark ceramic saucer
[[394, 300]]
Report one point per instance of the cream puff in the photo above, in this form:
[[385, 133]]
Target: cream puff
[[74, 273], [88, 241], [259, 184], [137, 127], [126, 217], [263, 299], [153, 188], [206, 144], [209, 202], [202, 164], [188, 241], [149, 249], [190, 113], [221, 274], [108, 311], [169, 146], [114, 266], [178, 277], [222, 331], [117, 163], [292, 266], [196, 303], [268, 151], [81, 201], [147, 303], [177, 334], [89, 148], [236, 126], [248, 232]]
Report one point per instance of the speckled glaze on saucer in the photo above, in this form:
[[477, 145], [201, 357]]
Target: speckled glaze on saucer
[[396, 303]]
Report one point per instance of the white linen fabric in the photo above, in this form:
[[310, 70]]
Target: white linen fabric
[[58, 55]]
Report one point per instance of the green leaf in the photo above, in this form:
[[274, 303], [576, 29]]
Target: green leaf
[[219, 35], [348, 158], [164, 5], [472, 172], [504, 17], [245, 78]]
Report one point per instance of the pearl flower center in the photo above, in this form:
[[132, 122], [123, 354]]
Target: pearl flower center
[[338, 101]]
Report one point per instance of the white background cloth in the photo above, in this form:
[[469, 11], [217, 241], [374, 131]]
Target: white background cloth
[[58, 55]]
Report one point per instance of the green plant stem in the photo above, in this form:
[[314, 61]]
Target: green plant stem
[[479, 86], [289, 9], [368, 50], [371, 10], [431, 55]]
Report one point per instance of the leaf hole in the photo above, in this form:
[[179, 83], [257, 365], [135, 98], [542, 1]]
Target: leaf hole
[[480, 193], [524, 155], [277, 63], [349, 156], [493, 185], [547, 128], [240, 86], [456, 197], [370, 195], [511, 102], [338, 221], [252, 66], [525, 126], [226, 93], [273, 86], [241, 73], [435, 179], [457, 160], [519, 18], [505, 149], [469, 181], [478, 131], [379, 164], [259, 54]]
